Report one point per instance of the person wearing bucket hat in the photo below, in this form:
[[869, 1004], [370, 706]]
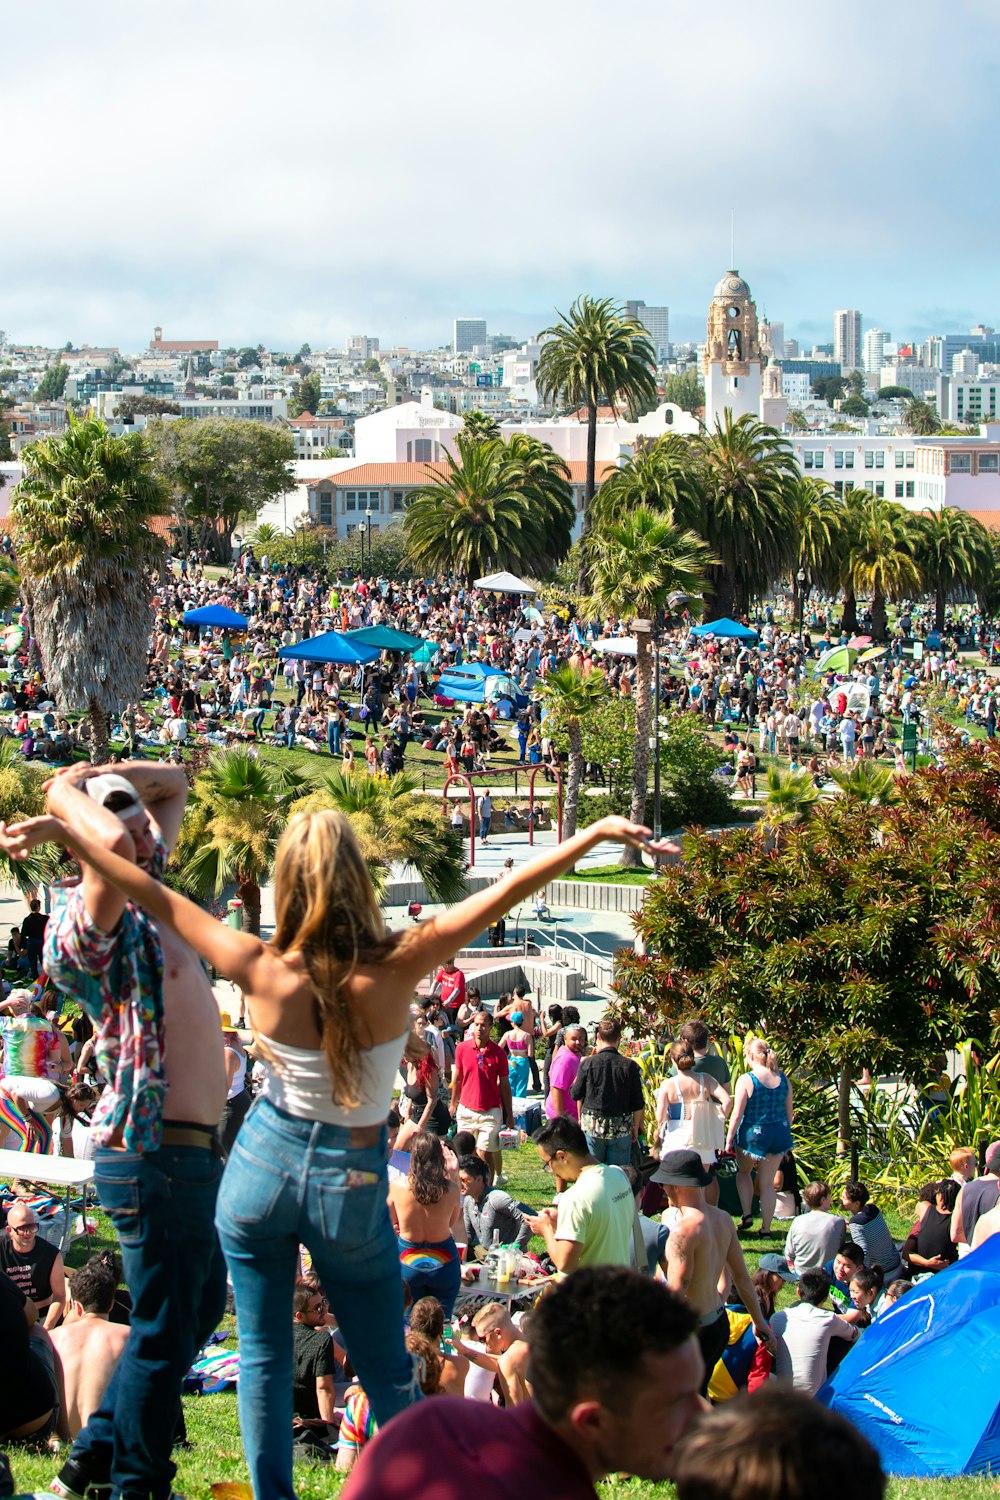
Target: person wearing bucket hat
[[702, 1244]]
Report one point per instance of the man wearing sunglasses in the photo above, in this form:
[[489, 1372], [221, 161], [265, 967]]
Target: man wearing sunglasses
[[33, 1265]]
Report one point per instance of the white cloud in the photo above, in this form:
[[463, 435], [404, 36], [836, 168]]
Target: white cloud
[[250, 171]]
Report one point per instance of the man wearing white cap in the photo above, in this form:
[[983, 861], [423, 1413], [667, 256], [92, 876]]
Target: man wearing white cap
[[157, 1164]]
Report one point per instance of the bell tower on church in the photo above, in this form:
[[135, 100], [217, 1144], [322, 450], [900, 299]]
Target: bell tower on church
[[733, 359]]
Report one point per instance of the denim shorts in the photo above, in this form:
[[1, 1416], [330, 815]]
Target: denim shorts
[[769, 1138]]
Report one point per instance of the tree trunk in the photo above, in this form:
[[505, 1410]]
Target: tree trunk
[[574, 778], [249, 893], [631, 858], [720, 600], [879, 621], [939, 603], [98, 734], [588, 493], [849, 622], [844, 1128]]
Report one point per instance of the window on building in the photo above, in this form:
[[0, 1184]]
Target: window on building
[[350, 499], [820, 458], [899, 458], [989, 463], [870, 486], [423, 450], [910, 456], [848, 460], [899, 489], [325, 510], [397, 499], [880, 459], [880, 486], [807, 458], [909, 489], [838, 487], [838, 460], [961, 463], [869, 458]]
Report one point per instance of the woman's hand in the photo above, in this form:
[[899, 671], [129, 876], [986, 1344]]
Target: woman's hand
[[636, 834]]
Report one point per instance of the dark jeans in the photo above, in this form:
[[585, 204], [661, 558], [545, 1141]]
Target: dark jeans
[[162, 1206]]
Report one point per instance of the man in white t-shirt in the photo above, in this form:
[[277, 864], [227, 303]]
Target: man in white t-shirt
[[814, 1237], [803, 1334]]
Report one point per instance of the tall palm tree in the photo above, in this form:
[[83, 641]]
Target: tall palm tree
[[571, 696], [238, 810], [747, 471], [595, 355], [881, 561], [662, 475], [953, 553], [497, 505], [867, 784], [81, 521], [637, 563], [816, 518], [480, 426], [921, 419], [394, 827]]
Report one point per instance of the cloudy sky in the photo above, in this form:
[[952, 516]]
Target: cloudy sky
[[260, 172]]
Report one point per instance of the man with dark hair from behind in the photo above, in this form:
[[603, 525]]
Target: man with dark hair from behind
[[777, 1445], [614, 1370], [89, 1345]]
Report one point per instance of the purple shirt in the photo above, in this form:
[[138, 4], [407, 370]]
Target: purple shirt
[[564, 1068]]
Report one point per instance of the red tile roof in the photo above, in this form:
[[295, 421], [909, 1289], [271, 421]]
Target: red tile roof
[[989, 518], [373, 475], [578, 471], [185, 346]]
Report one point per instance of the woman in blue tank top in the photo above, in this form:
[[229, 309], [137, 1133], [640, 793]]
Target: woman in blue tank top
[[760, 1127]]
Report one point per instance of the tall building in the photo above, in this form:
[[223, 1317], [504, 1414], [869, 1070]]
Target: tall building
[[733, 361], [873, 357], [847, 338], [656, 321], [468, 333], [361, 346]]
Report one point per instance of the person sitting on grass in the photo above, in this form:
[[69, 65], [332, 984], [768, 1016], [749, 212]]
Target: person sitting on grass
[[89, 1345], [505, 1344]]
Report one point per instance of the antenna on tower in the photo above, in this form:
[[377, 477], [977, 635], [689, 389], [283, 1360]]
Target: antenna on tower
[[732, 238]]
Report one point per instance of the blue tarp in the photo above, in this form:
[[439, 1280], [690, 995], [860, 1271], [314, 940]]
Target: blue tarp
[[923, 1384], [331, 646], [215, 616], [726, 628]]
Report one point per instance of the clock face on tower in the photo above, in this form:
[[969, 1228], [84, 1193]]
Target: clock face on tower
[[732, 285]]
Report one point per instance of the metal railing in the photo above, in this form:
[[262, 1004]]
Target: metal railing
[[565, 947]]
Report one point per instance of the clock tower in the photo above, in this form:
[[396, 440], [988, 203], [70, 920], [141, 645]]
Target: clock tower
[[733, 359]]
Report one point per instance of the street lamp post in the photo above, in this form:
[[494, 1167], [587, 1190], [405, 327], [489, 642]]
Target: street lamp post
[[362, 528], [368, 528], [801, 578]]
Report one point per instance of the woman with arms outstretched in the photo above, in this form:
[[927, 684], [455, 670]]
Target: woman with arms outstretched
[[328, 998]]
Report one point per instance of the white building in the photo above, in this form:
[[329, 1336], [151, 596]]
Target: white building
[[965, 364], [922, 383], [873, 356], [360, 346], [921, 473], [733, 361], [795, 388], [971, 401], [847, 338]]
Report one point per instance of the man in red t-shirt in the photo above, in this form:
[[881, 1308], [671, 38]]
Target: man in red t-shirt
[[614, 1372], [480, 1091], [449, 981]]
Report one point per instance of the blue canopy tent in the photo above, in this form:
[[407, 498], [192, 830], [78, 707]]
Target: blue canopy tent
[[726, 629], [478, 682], [332, 647], [385, 638], [923, 1385], [215, 617]]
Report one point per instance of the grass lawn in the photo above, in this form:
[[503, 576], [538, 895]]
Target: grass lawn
[[216, 1454], [611, 875]]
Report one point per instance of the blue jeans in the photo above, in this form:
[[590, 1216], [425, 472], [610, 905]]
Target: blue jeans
[[162, 1206], [333, 733], [616, 1152], [290, 1182], [484, 828]]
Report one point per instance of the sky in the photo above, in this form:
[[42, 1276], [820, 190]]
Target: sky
[[285, 173]]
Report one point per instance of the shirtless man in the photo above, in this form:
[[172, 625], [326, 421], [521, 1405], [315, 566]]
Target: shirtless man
[[156, 1165], [506, 1346], [701, 1245], [89, 1345]]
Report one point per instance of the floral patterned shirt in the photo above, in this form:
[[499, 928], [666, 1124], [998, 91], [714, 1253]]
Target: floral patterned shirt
[[117, 978]]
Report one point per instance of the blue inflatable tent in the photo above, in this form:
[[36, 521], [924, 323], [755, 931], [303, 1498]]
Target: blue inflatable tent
[[923, 1384]]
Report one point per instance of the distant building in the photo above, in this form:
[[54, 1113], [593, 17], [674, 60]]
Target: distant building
[[360, 346], [159, 345], [847, 338], [795, 388], [469, 334], [968, 401], [913, 378], [656, 321], [873, 356], [733, 361]]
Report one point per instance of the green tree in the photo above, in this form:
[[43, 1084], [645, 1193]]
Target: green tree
[[894, 393], [81, 518], [394, 827], [855, 382], [747, 472], [637, 563], [22, 796], [571, 697], [829, 388], [145, 406], [954, 555], [920, 418], [306, 394], [52, 383], [816, 518], [870, 936], [854, 406], [221, 471], [797, 421], [662, 475], [480, 426], [594, 355], [236, 814], [246, 358], [303, 353], [686, 391], [497, 505], [5, 448], [881, 558]]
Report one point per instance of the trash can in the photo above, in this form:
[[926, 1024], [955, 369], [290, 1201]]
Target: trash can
[[234, 914]]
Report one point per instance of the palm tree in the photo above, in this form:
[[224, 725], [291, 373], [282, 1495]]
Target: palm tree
[[594, 355], [264, 535], [238, 810], [921, 419], [10, 584], [747, 470], [881, 561], [816, 518], [22, 796], [480, 426], [953, 553], [571, 696], [81, 520], [495, 506], [867, 784], [638, 562], [395, 827], [661, 475], [791, 799]]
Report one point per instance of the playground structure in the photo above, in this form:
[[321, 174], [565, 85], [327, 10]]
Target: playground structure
[[493, 779]]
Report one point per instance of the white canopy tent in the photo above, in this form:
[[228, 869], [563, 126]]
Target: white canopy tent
[[505, 583], [616, 645]]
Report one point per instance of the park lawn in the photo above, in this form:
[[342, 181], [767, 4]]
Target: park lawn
[[216, 1452], [612, 875]]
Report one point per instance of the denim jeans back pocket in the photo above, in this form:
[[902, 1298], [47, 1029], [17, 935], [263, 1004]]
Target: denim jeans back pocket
[[252, 1189], [121, 1200], [348, 1206]]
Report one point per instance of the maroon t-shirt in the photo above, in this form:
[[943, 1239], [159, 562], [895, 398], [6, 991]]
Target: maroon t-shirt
[[451, 1449]]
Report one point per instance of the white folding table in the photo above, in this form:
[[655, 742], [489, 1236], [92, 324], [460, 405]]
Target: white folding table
[[53, 1171]]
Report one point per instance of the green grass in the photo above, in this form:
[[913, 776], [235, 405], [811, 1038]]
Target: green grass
[[611, 875], [217, 1455]]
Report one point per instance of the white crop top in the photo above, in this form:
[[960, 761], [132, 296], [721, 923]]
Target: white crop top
[[298, 1081]]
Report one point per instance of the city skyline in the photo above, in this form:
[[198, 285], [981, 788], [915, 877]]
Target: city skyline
[[204, 170]]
